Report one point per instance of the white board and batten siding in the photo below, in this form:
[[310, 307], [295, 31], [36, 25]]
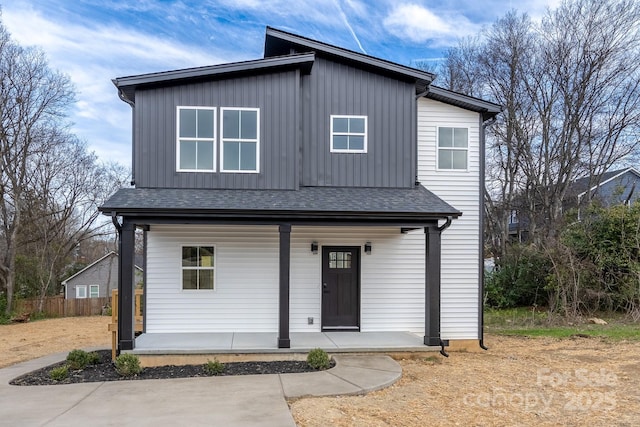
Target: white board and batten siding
[[460, 242], [246, 279]]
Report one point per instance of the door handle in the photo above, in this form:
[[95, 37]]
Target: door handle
[[324, 288]]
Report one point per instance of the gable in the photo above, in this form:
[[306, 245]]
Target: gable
[[99, 272], [336, 88], [274, 95], [278, 42]]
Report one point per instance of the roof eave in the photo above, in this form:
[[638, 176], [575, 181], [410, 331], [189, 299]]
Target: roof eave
[[486, 108], [277, 214], [127, 85], [419, 76]]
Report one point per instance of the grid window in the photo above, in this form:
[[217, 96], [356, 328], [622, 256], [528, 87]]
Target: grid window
[[240, 139], [81, 291], [453, 148], [348, 134], [196, 139], [94, 291], [198, 267], [339, 259]]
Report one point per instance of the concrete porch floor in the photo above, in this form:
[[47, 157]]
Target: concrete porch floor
[[301, 342]]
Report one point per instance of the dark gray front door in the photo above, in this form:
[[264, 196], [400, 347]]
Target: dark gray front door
[[341, 288]]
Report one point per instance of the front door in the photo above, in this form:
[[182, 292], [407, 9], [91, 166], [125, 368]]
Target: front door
[[341, 288]]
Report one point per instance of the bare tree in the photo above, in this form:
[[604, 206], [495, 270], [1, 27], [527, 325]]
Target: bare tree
[[584, 87], [503, 67], [569, 86], [68, 185], [33, 100]]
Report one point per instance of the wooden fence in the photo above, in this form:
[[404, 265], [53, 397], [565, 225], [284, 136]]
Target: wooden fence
[[113, 326], [59, 307]]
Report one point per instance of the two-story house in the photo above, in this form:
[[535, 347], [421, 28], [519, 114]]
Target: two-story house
[[316, 189]]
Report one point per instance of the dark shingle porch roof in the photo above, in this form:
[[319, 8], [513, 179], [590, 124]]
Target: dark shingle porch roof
[[398, 204]]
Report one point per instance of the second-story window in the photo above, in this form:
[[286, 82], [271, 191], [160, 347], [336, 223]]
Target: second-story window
[[196, 139], [348, 134], [240, 147], [453, 147]]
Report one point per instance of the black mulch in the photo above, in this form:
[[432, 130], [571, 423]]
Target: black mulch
[[105, 371]]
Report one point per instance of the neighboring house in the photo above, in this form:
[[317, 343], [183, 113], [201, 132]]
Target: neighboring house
[[97, 279], [316, 189], [619, 187]]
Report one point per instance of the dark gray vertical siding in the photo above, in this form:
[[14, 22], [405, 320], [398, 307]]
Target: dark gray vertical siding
[[389, 104], [155, 134]]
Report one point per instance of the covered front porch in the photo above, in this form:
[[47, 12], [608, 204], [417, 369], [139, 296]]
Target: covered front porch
[[281, 252], [301, 342]]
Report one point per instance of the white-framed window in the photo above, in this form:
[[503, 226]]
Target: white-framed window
[[94, 291], [348, 134], [196, 139], [198, 267], [240, 135], [453, 148], [513, 217], [81, 291]]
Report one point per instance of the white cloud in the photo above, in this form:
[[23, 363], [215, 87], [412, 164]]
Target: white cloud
[[91, 55], [419, 24]]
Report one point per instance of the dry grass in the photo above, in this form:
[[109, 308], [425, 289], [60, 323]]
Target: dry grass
[[519, 381], [25, 341]]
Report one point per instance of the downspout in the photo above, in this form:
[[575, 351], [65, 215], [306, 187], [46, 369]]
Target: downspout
[[132, 104], [483, 125], [114, 219], [444, 343]]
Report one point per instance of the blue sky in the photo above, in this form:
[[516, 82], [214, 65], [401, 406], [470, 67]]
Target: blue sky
[[94, 41]]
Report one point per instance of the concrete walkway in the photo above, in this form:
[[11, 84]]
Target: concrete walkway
[[251, 400]]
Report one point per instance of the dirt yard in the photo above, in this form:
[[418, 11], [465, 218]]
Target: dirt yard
[[25, 341], [519, 381]]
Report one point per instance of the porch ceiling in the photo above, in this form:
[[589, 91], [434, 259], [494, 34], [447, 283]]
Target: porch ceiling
[[397, 205]]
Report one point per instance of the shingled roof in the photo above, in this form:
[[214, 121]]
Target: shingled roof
[[415, 203]]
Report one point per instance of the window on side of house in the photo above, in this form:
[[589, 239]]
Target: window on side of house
[[94, 291], [348, 134], [240, 148], [453, 148], [81, 291], [198, 267], [196, 150]]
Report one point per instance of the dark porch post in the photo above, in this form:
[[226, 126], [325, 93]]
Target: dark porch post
[[432, 286], [285, 262], [126, 287]]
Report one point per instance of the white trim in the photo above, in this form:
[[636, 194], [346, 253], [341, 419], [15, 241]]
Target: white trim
[[78, 287], [256, 140], [212, 140], [438, 148], [214, 268], [332, 134]]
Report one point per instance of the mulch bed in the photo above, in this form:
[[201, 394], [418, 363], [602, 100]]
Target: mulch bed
[[105, 371]]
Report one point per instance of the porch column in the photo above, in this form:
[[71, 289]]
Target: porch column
[[285, 262], [126, 287], [432, 286]]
